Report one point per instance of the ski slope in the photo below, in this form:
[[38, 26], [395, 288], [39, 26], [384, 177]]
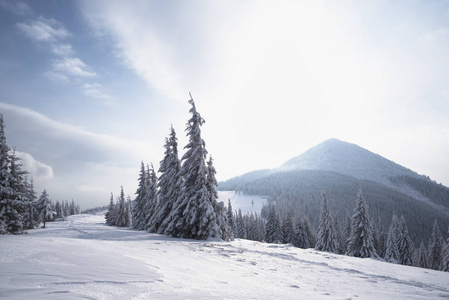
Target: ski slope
[[82, 258]]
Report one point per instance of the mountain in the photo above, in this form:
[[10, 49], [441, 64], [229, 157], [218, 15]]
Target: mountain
[[340, 169]]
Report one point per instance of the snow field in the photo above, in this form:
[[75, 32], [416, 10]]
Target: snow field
[[82, 258]]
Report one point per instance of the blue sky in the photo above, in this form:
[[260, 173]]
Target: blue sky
[[88, 89]]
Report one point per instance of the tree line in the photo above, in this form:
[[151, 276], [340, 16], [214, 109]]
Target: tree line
[[20, 209]]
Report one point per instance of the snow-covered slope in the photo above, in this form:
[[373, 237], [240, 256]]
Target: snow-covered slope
[[348, 159], [84, 259]]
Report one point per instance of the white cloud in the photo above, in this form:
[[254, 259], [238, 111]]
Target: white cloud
[[138, 46], [38, 170], [55, 76], [42, 29], [62, 49], [72, 66], [16, 7], [95, 90]]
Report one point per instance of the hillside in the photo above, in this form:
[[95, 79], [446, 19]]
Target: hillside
[[340, 169], [83, 258]]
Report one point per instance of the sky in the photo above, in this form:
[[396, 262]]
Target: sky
[[89, 89]]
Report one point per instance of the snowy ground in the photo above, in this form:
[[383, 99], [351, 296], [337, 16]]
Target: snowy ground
[[247, 203], [83, 259]]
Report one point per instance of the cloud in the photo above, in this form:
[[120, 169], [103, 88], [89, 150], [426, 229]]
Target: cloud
[[62, 49], [139, 46], [95, 90], [72, 66], [42, 29], [66, 159], [38, 169], [16, 7]]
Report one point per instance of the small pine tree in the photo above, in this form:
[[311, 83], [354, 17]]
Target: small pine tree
[[44, 208], [287, 229], [360, 242], [152, 198], [445, 267], [273, 231], [327, 239], [241, 226], [435, 249], [120, 210], [405, 245], [128, 212], [422, 256], [110, 214], [301, 240], [138, 212], [392, 252], [309, 234], [231, 221]]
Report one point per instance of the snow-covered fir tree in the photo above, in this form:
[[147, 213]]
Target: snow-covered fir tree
[[405, 245], [221, 229], [240, 225], [391, 251], [18, 198], [169, 183], [138, 212], [361, 243], [110, 214], [422, 256], [445, 267], [44, 208], [128, 212], [255, 227], [288, 234], [273, 231], [309, 234], [301, 239], [380, 239], [435, 249], [120, 210], [231, 221], [31, 219], [152, 197], [193, 215], [327, 239]]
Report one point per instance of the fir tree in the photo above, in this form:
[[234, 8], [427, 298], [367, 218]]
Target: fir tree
[[110, 214], [327, 233], [231, 221], [120, 210], [273, 231], [193, 216], [360, 242], [128, 212], [287, 229], [435, 249], [445, 267], [301, 240], [138, 212], [405, 246], [392, 252], [44, 208], [422, 256], [152, 198], [309, 234], [220, 228], [240, 225], [19, 196], [169, 182]]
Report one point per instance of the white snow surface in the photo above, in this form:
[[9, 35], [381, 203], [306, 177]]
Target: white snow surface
[[82, 258]]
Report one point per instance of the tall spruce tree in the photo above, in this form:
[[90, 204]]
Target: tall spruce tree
[[273, 231], [405, 245], [169, 182], [220, 228], [193, 215], [327, 239], [138, 212], [435, 249], [360, 242], [288, 234], [19, 197], [301, 240], [44, 208]]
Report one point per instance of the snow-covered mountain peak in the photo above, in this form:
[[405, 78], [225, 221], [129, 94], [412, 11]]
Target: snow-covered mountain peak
[[348, 159]]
